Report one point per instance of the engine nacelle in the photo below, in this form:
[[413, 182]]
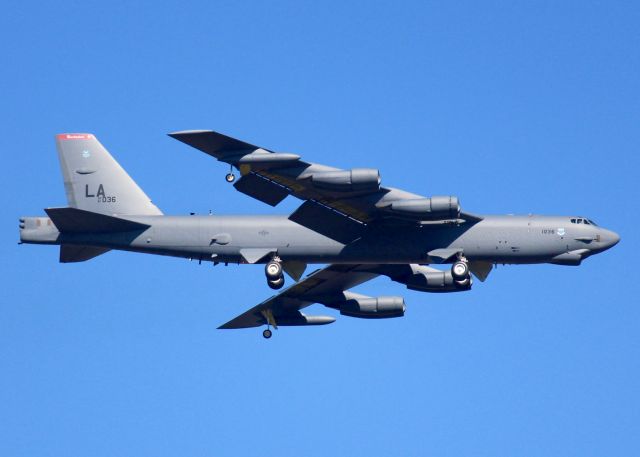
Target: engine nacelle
[[372, 307], [427, 279], [434, 208], [354, 180]]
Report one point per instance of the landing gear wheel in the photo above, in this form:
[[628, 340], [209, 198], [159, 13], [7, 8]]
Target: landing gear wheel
[[465, 283], [267, 333], [273, 270], [230, 177], [460, 270], [277, 283]]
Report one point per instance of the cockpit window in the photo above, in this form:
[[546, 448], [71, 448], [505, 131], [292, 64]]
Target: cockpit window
[[583, 220], [579, 220]]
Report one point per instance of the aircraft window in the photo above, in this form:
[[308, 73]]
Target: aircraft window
[[573, 221], [579, 221], [586, 221], [592, 223]]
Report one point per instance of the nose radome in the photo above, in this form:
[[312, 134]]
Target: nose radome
[[611, 238], [615, 238]]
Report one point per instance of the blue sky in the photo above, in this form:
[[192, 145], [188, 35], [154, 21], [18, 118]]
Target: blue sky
[[515, 107]]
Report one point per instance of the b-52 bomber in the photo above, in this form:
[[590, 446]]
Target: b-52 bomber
[[347, 220]]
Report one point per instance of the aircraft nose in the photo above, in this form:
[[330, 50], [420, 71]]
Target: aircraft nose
[[609, 238]]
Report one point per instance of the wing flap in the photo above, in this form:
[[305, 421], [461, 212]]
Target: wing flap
[[327, 222], [261, 188]]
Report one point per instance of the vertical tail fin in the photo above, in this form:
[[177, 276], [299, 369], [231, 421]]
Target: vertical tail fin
[[95, 182]]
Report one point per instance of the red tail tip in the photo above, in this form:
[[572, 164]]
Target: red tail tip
[[74, 136]]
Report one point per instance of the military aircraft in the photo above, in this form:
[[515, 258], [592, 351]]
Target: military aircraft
[[348, 220]]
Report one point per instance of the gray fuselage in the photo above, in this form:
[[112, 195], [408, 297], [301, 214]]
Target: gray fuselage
[[497, 239]]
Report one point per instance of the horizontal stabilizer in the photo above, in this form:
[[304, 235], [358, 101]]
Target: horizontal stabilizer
[[73, 253], [73, 220]]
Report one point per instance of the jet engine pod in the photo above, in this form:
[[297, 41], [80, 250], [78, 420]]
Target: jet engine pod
[[373, 307], [426, 279], [354, 180], [434, 208]]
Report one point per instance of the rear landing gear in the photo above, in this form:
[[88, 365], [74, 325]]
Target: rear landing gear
[[267, 333], [230, 177]]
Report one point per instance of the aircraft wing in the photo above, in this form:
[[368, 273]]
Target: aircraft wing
[[338, 203], [318, 287], [329, 287]]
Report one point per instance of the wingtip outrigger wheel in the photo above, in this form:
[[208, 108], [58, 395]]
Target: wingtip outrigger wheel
[[270, 321]]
